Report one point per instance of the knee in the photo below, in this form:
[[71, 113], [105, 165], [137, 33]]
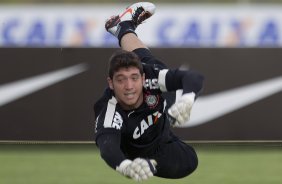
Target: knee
[[189, 166], [180, 168], [193, 164]]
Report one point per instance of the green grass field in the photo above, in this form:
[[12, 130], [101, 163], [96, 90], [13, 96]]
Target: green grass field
[[81, 164]]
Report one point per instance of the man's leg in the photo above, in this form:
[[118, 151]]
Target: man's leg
[[175, 160], [131, 42], [123, 25]]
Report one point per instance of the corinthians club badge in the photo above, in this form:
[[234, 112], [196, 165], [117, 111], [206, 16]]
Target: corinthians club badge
[[152, 100]]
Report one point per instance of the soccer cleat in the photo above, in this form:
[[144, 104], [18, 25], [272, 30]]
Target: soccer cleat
[[140, 12], [128, 20]]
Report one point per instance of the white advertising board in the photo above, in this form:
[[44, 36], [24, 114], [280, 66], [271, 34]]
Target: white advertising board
[[173, 25]]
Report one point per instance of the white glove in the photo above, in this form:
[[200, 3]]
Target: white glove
[[180, 111], [139, 169]]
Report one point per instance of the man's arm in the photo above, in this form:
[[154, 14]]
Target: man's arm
[[138, 169], [108, 139], [174, 79], [109, 145], [190, 82]]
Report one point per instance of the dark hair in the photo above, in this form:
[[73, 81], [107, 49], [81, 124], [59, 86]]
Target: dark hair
[[124, 59]]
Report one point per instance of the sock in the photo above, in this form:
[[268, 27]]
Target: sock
[[124, 28]]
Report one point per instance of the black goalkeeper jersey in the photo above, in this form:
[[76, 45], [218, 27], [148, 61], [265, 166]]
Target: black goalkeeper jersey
[[122, 134]]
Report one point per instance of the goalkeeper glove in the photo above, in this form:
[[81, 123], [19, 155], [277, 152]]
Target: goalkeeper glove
[[139, 169], [180, 110]]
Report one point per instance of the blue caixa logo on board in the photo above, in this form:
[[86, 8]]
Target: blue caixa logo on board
[[211, 30]]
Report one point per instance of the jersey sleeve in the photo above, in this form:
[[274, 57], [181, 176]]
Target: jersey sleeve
[[171, 79], [109, 124], [175, 79], [109, 145]]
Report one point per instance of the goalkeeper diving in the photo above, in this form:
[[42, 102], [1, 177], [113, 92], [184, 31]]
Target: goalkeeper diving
[[135, 113]]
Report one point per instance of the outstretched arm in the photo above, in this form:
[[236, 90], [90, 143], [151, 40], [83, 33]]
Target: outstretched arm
[[109, 145], [189, 83], [138, 169]]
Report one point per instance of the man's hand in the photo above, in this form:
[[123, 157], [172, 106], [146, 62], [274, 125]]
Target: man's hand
[[139, 169], [180, 111]]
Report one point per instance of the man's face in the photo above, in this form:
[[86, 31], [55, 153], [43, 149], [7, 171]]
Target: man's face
[[127, 84]]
